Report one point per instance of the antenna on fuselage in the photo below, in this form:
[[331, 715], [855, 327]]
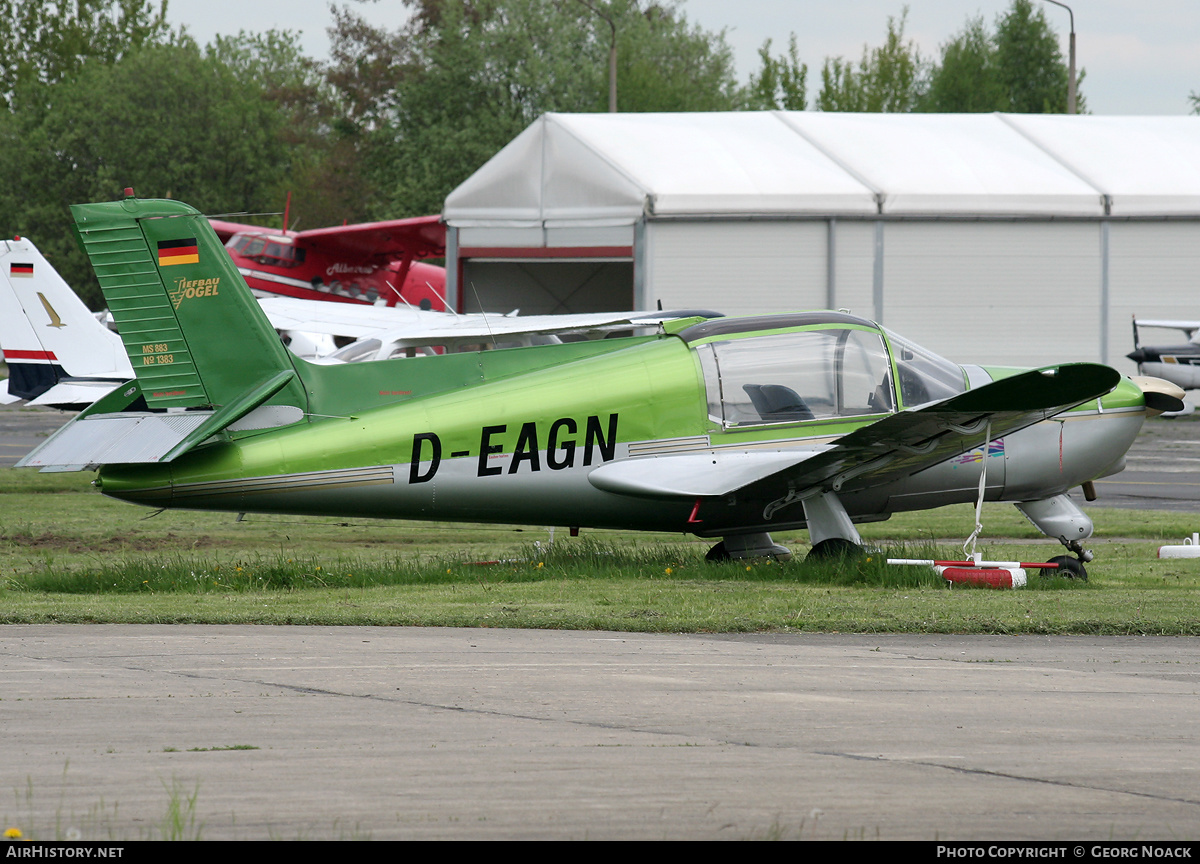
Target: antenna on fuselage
[[486, 323], [398, 294], [443, 299]]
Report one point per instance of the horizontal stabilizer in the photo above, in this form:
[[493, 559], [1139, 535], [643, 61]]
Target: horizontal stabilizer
[[106, 439], [81, 392]]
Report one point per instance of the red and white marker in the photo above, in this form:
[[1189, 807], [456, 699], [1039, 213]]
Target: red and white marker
[[988, 574]]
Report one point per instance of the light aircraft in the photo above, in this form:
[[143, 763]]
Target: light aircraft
[[357, 264], [728, 428], [58, 354], [1179, 364], [61, 355]]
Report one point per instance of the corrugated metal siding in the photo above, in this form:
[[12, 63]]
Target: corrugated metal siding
[[1016, 293], [739, 268], [1154, 272], [854, 265]]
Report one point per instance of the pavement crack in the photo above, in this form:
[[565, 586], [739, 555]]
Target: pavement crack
[[1005, 775]]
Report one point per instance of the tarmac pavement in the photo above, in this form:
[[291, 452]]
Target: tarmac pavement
[[428, 733]]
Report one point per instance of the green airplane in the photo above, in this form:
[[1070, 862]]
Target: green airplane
[[724, 428]]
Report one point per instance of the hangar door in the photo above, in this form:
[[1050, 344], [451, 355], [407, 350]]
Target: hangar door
[[546, 286]]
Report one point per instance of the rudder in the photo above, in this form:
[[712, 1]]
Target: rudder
[[193, 331]]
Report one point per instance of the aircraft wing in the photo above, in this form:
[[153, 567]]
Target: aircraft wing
[[81, 391], [225, 230], [889, 449], [405, 326], [422, 236], [342, 319], [1188, 327]]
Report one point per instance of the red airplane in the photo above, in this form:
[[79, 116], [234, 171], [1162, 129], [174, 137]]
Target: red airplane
[[362, 263]]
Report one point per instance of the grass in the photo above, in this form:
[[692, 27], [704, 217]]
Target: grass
[[67, 554]]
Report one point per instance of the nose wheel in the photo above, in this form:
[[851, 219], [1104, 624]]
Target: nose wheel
[[1070, 567]]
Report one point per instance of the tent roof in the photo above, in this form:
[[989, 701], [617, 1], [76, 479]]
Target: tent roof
[[596, 169]]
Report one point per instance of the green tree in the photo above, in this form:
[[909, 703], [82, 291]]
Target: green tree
[[1031, 70], [323, 173], [889, 78], [968, 77], [1017, 67], [166, 120], [47, 41], [781, 83]]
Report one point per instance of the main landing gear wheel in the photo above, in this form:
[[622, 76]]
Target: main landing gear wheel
[[1070, 567], [717, 554], [835, 548]]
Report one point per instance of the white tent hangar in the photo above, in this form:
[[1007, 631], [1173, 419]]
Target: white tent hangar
[[993, 238]]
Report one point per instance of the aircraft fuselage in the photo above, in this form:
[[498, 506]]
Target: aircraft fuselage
[[520, 448]]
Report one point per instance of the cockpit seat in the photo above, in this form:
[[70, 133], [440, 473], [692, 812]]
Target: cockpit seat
[[777, 404]]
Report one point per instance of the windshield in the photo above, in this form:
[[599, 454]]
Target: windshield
[[923, 376], [266, 251]]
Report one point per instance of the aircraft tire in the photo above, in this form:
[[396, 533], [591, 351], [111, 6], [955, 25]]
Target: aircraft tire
[[1070, 567], [717, 554], [833, 548]]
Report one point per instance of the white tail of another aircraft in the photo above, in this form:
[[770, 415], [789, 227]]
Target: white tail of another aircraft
[[57, 352]]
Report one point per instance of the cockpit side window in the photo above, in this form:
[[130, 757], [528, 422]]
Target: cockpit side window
[[266, 251], [798, 376]]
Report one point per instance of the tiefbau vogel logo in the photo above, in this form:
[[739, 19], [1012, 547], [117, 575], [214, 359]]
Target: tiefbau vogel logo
[[185, 289]]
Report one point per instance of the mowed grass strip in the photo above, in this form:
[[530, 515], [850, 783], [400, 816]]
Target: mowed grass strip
[[67, 554]]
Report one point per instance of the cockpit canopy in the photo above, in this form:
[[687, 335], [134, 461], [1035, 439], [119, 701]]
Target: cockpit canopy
[[835, 366], [267, 250]]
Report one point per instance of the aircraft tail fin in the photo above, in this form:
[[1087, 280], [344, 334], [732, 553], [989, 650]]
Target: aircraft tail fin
[[50, 339], [193, 332]]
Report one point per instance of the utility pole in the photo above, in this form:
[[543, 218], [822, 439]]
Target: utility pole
[[612, 57], [1071, 67]]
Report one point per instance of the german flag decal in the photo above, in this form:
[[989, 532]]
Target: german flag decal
[[21, 269], [178, 252]]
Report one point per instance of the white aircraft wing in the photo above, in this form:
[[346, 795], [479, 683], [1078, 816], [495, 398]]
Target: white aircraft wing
[[338, 319], [404, 326], [1188, 327], [82, 391], [897, 446]]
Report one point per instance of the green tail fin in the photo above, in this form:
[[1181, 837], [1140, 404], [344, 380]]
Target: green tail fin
[[194, 333]]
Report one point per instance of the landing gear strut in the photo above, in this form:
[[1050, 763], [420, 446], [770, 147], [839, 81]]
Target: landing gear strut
[[1060, 518]]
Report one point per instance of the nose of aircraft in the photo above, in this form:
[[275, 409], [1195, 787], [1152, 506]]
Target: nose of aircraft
[[1160, 395]]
